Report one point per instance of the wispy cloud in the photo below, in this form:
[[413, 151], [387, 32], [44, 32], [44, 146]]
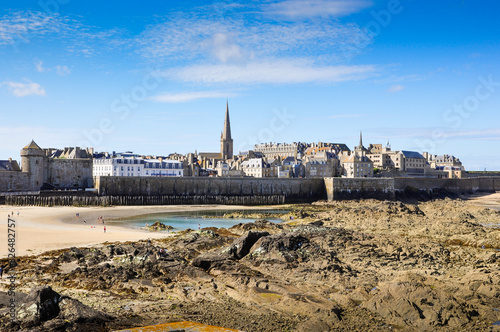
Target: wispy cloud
[[190, 96], [28, 88], [39, 66], [315, 8], [21, 27], [246, 47], [395, 88], [17, 27], [60, 70], [491, 134], [242, 37], [273, 72]]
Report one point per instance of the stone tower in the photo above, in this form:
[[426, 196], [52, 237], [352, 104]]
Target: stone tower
[[32, 163], [226, 142]]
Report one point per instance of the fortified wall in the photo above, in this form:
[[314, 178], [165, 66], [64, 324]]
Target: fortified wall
[[69, 173], [386, 188], [241, 191], [357, 188], [458, 186], [14, 181], [294, 190]]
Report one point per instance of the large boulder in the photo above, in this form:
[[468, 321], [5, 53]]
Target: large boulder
[[47, 310], [241, 246]]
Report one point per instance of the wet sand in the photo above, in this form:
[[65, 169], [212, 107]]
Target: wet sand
[[39, 229]]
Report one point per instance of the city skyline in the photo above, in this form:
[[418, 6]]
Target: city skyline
[[155, 79]]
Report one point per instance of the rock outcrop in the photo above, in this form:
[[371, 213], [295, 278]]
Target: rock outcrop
[[352, 266]]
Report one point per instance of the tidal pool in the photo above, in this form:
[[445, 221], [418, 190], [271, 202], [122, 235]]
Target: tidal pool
[[197, 219]]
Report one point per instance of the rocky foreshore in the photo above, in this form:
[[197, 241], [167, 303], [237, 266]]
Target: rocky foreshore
[[349, 266]]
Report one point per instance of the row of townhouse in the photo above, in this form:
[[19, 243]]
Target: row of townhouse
[[414, 164]]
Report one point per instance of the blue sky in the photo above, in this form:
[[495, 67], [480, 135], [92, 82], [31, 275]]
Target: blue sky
[[154, 78]]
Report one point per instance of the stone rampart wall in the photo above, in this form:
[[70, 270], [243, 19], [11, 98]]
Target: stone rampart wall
[[356, 188], [13, 181], [459, 186], [294, 190]]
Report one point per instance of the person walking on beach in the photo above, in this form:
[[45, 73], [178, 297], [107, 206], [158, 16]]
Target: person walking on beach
[[104, 229], [199, 226]]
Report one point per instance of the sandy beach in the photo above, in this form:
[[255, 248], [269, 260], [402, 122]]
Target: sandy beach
[[40, 229], [491, 201]]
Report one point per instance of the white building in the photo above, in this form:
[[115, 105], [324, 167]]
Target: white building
[[256, 167], [135, 166]]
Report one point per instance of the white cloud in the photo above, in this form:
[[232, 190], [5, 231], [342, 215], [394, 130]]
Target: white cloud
[[19, 27], [25, 89], [246, 47], [189, 96], [236, 38], [396, 88], [39, 66], [62, 70], [223, 48], [277, 71], [314, 8]]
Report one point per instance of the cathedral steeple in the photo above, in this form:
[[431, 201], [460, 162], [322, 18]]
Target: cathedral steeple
[[360, 149], [226, 132], [226, 142]]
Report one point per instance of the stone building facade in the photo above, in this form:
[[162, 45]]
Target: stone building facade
[[68, 168]]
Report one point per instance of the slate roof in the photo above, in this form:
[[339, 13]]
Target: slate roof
[[412, 154], [7, 165]]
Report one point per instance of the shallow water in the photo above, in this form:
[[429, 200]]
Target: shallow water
[[193, 219]]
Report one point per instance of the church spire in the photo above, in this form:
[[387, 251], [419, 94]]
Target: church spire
[[360, 139], [226, 142], [226, 133]]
